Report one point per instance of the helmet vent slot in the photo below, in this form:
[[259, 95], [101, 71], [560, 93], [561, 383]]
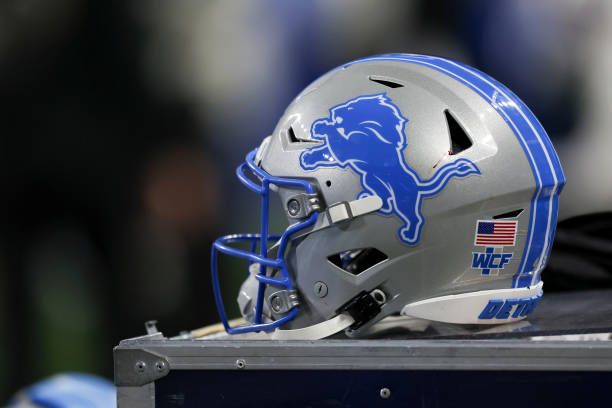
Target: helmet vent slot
[[291, 135], [459, 140], [356, 261], [509, 214], [291, 139], [385, 82]]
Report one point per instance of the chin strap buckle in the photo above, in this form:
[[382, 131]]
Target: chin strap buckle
[[362, 308], [347, 210]]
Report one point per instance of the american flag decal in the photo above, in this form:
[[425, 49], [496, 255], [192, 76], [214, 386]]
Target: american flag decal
[[495, 233]]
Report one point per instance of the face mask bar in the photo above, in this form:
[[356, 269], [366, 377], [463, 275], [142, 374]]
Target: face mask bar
[[263, 239]]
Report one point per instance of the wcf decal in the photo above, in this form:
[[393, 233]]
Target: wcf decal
[[489, 260]]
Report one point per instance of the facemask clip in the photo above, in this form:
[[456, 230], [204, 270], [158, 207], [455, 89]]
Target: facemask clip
[[283, 300], [302, 205]]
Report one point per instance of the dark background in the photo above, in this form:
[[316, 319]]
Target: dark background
[[122, 122]]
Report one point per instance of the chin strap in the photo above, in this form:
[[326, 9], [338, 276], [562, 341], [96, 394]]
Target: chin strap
[[354, 314], [316, 331], [347, 210]]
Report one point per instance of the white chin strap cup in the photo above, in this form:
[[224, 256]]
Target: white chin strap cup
[[466, 307]]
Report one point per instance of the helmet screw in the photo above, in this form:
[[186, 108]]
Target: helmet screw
[[293, 206], [320, 289], [385, 393], [276, 303], [240, 364], [140, 367], [160, 366]]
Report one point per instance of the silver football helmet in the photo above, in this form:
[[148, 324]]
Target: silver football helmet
[[414, 185]]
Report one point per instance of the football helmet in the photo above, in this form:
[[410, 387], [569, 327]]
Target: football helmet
[[413, 185]]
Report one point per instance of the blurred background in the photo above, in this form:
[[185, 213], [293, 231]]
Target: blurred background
[[122, 123]]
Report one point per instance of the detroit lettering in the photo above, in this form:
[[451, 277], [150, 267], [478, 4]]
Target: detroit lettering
[[503, 309]]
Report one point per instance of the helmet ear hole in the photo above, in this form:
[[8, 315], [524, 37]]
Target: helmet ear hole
[[356, 261]]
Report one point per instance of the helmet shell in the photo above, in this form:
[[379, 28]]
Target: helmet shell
[[439, 262]]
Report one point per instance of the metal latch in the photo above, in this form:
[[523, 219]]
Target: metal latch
[[283, 300], [302, 205]]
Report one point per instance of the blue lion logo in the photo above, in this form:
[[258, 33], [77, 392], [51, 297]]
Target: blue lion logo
[[367, 134]]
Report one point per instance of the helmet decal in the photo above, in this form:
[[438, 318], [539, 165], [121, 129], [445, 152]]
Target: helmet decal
[[367, 134]]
